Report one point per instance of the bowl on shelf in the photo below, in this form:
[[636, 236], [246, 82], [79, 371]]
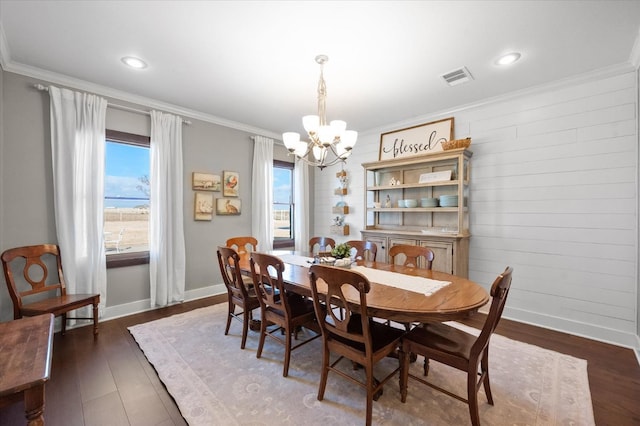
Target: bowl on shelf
[[411, 203], [401, 203], [448, 201]]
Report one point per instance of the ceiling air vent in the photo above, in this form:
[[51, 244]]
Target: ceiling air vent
[[457, 76]]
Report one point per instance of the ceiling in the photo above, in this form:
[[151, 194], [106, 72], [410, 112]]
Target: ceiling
[[253, 62]]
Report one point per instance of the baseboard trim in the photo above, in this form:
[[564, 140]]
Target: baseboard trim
[[125, 309], [588, 331]]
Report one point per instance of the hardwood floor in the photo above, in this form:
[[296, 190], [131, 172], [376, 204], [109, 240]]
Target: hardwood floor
[[109, 381]]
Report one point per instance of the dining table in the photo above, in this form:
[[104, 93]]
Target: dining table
[[398, 293]]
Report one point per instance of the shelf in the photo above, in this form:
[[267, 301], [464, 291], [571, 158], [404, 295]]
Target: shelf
[[340, 210], [339, 230], [413, 185], [415, 209]]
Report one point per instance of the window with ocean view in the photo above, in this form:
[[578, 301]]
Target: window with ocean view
[[283, 204], [126, 194]]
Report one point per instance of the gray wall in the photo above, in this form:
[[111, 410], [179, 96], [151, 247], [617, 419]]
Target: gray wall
[[26, 202]]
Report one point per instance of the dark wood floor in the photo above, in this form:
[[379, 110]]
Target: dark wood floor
[[110, 382]]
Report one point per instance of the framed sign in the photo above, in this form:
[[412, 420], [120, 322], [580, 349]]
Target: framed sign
[[423, 139]]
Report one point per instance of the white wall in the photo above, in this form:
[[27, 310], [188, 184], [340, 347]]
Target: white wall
[[553, 194]]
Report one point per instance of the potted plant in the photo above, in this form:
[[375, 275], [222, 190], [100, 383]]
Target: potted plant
[[342, 251]]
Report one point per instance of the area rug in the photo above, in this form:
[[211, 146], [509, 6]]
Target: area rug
[[214, 382]]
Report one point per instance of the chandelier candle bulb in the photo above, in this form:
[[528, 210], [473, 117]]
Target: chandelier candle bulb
[[324, 138]]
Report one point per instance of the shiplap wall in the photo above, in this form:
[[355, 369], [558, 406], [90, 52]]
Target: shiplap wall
[[553, 194]]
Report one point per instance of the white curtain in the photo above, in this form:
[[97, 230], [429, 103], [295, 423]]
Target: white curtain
[[301, 202], [262, 193], [166, 228], [78, 156]]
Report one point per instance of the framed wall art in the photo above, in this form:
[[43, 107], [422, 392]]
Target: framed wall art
[[423, 139], [206, 182], [228, 206], [203, 206], [231, 184]]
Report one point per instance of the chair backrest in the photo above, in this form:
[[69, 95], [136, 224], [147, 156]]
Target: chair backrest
[[35, 272], [241, 244], [328, 285], [322, 243], [499, 291], [412, 253], [266, 271], [229, 260], [365, 249]]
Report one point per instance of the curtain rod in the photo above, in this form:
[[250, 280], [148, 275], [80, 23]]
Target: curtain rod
[[112, 105]]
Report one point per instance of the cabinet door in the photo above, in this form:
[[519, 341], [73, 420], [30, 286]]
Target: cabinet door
[[381, 242], [442, 255]]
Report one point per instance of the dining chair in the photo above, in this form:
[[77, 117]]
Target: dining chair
[[243, 245], [34, 280], [322, 243], [286, 310], [238, 292], [458, 349], [412, 255], [353, 335], [365, 249]]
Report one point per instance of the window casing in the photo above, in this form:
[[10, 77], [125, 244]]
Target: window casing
[[136, 217], [283, 206]]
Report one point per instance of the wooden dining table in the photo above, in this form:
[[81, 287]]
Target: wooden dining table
[[454, 301], [26, 347]]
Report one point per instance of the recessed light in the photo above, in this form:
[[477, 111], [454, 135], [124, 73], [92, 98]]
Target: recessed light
[[508, 59], [134, 62]]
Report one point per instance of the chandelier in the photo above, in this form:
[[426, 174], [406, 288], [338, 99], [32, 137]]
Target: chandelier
[[328, 143]]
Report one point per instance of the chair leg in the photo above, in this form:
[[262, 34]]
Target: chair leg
[[484, 367], [287, 351], [425, 368], [263, 333], [95, 319], [63, 324], [231, 310], [324, 374], [245, 327], [370, 386], [472, 397]]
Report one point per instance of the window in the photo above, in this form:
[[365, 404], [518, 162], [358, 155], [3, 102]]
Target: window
[[126, 199], [283, 231]]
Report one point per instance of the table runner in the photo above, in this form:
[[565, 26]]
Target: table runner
[[422, 285], [295, 259]]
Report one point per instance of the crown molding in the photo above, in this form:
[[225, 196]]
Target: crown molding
[[78, 84]]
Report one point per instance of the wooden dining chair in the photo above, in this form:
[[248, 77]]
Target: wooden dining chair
[[412, 255], [34, 280], [287, 311], [243, 245], [458, 349], [238, 292], [323, 244], [353, 335], [367, 250]]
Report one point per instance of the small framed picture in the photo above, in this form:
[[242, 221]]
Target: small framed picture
[[203, 206], [231, 182], [206, 182], [228, 206]]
